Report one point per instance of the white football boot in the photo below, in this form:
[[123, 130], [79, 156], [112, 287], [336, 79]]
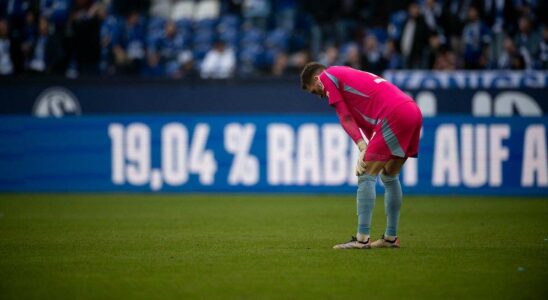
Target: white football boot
[[354, 244], [384, 243]]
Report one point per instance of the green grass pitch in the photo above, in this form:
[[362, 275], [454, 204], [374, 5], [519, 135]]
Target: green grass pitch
[[267, 247]]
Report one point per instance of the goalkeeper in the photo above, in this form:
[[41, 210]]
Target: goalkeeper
[[390, 120]]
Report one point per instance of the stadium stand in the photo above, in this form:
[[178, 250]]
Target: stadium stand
[[171, 38]]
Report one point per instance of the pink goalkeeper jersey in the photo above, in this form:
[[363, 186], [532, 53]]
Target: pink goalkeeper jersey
[[367, 97]]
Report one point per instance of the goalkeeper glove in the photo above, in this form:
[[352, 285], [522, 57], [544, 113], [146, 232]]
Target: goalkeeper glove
[[360, 165]]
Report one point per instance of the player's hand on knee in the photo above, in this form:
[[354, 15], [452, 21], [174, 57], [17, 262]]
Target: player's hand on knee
[[360, 165]]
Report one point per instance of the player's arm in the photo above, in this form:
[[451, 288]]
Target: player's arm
[[335, 99], [349, 125]]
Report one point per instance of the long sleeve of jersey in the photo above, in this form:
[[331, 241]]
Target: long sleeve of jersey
[[347, 122], [335, 99]]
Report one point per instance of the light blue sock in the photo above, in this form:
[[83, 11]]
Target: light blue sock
[[392, 203], [365, 199]]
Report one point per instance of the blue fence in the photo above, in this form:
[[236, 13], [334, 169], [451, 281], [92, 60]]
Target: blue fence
[[265, 153]]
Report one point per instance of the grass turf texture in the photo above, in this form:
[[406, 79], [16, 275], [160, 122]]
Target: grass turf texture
[[249, 247]]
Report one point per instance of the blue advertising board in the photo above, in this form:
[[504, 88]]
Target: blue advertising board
[[261, 153]]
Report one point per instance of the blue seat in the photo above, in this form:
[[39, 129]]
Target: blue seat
[[252, 36], [268, 57], [184, 25], [204, 37], [205, 24], [231, 21], [229, 36], [156, 23], [251, 53], [380, 33], [277, 39]]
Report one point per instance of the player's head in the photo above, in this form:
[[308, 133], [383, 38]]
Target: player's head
[[310, 78]]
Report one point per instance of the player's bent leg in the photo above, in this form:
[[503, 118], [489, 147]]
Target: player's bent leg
[[366, 196], [374, 167], [393, 166], [392, 203], [365, 203]]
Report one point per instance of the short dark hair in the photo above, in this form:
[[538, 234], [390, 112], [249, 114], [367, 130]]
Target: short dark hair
[[310, 70]]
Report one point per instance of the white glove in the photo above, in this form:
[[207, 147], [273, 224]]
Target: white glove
[[360, 165]]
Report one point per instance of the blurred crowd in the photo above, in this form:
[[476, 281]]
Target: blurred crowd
[[226, 38]]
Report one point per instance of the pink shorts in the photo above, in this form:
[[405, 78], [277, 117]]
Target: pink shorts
[[397, 135]]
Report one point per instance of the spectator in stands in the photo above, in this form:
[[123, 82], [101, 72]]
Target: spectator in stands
[[517, 62], [219, 62], [161, 8], [475, 39], [46, 52], [527, 41], [20, 16], [206, 10], [232, 7], [543, 49], [56, 11], [392, 59], [6, 62], [27, 35], [257, 12], [431, 10], [445, 59], [109, 32], [129, 45], [500, 16], [331, 56], [124, 7], [373, 60], [510, 58], [322, 28], [81, 32], [297, 60], [349, 15], [454, 15], [527, 8], [13, 11], [285, 13], [279, 67], [414, 38], [352, 56], [168, 55], [84, 25], [434, 43]]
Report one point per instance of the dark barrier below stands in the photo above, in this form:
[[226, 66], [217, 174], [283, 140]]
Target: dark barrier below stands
[[93, 97], [267, 153]]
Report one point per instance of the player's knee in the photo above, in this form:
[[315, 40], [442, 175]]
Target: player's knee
[[387, 179], [390, 172]]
